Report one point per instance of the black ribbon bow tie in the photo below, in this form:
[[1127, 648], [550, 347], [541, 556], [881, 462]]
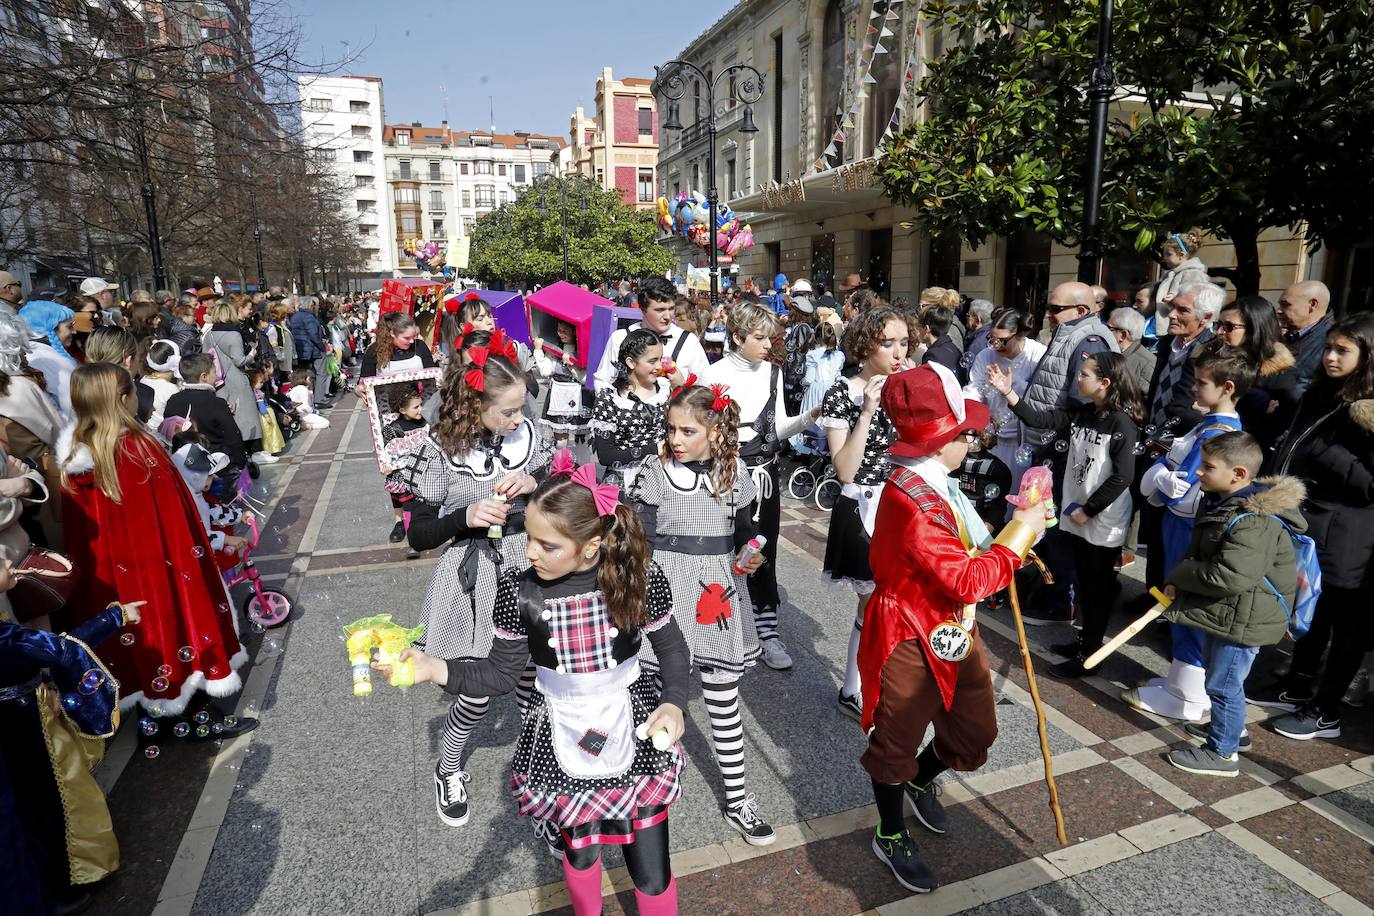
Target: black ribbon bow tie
[[664, 339]]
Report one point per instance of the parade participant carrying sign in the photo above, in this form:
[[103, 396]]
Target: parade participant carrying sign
[[921, 659]]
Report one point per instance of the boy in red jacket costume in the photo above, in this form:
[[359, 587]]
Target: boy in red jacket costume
[[921, 660]]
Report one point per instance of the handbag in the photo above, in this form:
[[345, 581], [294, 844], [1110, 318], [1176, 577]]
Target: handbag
[[44, 582]]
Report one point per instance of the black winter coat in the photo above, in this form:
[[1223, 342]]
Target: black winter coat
[[212, 416], [1330, 446]]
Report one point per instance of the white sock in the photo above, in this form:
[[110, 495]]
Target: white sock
[[851, 668]]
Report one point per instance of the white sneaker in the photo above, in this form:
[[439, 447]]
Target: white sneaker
[[775, 654], [264, 458]]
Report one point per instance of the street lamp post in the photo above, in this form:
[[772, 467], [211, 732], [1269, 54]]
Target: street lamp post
[[257, 244], [749, 90], [563, 206], [149, 205], [1100, 87]]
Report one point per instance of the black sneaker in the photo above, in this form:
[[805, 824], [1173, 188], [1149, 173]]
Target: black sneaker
[[1200, 731], [1307, 723], [551, 836], [744, 817], [851, 706], [1066, 649], [1277, 696], [1070, 670], [412, 553], [451, 797], [900, 855], [1047, 616], [925, 804], [398, 533]]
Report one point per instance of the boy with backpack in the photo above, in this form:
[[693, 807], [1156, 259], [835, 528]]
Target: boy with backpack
[[1238, 583]]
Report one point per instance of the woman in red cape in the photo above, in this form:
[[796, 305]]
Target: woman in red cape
[[135, 535]]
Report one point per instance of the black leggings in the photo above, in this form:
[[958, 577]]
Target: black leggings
[[1096, 587], [763, 585], [646, 859], [1342, 619]]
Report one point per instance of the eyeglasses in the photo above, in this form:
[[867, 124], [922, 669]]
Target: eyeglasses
[[1000, 343], [1116, 330], [968, 435], [1228, 326], [1055, 309]]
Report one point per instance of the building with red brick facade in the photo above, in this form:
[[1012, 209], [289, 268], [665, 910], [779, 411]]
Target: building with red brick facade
[[618, 144]]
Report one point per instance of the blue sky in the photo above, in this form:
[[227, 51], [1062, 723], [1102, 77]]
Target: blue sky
[[538, 60]]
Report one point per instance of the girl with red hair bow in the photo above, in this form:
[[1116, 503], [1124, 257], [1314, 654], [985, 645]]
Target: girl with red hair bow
[[697, 502], [471, 476]]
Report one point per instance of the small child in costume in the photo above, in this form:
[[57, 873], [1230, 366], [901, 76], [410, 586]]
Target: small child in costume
[[1221, 377], [564, 423], [1234, 586], [597, 754], [627, 419], [921, 659], [198, 467], [273, 442], [399, 437], [300, 394]]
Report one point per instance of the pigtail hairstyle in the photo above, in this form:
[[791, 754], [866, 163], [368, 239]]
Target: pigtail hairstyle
[[391, 323], [1124, 394], [465, 392], [717, 411], [623, 577], [632, 347]]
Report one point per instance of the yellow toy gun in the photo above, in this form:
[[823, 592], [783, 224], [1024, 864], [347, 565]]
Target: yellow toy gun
[[390, 640]]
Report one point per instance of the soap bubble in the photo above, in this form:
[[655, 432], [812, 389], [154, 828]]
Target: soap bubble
[[222, 608], [1023, 456], [159, 684], [231, 721], [186, 653], [198, 552], [151, 751], [126, 639], [1061, 445], [91, 681], [148, 727], [992, 491], [202, 731], [71, 702], [202, 717], [181, 729], [1151, 430], [1139, 449], [164, 670], [270, 648], [1116, 437], [217, 728], [155, 710], [258, 627]]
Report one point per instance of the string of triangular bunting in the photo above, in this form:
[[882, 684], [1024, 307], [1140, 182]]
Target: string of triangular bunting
[[855, 95], [908, 82]]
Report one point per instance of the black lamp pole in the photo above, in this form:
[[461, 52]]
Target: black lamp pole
[[748, 91], [257, 243], [1100, 87], [563, 206], [149, 205]]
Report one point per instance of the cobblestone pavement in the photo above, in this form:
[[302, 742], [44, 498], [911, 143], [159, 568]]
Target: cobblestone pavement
[[328, 806]]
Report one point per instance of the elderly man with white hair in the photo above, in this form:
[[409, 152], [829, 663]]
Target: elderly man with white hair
[[1128, 327], [1169, 404]]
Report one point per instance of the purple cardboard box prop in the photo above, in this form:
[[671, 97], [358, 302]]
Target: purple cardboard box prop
[[510, 313]]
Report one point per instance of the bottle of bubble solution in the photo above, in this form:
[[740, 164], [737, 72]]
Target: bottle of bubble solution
[[362, 674], [494, 531], [747, 553]]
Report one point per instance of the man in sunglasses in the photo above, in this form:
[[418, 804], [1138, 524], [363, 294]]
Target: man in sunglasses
[[1078, 334], [11, 294]]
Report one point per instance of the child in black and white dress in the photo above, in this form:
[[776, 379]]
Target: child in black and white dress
[[859, 433], [470, 477], [697, 502], [627, 420], [598, 754], [566, 381]]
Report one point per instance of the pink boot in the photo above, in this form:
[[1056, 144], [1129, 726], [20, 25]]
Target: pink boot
[[584, 887], [664, 904]]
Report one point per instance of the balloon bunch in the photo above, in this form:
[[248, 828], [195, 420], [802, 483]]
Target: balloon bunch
[[428, 255], [690, 217]]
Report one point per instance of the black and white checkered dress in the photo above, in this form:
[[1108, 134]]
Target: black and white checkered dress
[[629, 428], [585, 635], [712, 600], [458, 623], [847, 543]]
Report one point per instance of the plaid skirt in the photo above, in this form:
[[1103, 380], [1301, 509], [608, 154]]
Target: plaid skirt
[[596, 810]]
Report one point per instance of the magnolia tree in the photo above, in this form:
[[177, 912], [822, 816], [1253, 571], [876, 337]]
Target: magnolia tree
[[1238, 116]]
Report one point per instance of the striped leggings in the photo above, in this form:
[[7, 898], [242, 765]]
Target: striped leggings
[[464, 715], [727, 735]]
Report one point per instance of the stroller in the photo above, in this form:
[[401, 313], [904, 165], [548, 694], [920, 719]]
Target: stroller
[[815, 478]]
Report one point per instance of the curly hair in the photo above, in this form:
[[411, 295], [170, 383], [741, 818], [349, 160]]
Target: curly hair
[[459, 429], [1186, 243], [625, 552], [697, 401], [391, 323], [865, 333]]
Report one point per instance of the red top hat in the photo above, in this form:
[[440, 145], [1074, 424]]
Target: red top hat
[[929, 409]]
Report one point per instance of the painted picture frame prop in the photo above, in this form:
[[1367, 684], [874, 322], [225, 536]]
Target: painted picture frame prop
[[379, 392], [1162, 602]]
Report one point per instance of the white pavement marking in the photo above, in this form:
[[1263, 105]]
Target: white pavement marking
[[976, 891], [1291, 869], [1331, 779], [1163, 831], [1156, 783], [1252, 804]]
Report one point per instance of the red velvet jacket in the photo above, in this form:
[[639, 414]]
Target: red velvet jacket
[[924, 576]]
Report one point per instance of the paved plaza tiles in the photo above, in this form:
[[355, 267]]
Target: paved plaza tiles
[[327, 808]]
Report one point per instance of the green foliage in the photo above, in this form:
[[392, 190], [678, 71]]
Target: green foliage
[[1281, 137], [608, 241]]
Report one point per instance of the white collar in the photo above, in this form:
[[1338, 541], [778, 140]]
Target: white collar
[[684, 479], [515, 452], [662, 388]]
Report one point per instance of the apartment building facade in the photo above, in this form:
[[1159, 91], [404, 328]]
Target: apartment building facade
[[342, 119], [618, 144], [824, 224]]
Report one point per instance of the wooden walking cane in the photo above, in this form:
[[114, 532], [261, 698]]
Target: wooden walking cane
[[1040, 723]]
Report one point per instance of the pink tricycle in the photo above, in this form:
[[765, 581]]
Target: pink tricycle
[[267, 607]]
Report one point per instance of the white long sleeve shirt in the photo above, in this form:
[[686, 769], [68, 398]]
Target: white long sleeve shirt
[[749, 388], [692, 358]]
